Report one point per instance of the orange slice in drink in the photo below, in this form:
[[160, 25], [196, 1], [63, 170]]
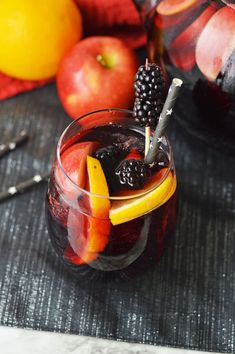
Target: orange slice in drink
[[171, 7], [125, 210], [98, 185]]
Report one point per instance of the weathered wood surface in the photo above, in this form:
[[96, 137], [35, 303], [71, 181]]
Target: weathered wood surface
[[187, 301]]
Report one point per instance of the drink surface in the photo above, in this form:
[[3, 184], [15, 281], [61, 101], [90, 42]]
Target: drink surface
[[95, 229]]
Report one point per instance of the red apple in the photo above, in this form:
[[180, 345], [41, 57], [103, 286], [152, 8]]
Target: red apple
[[216, 43], [182, 49], [97, 73]]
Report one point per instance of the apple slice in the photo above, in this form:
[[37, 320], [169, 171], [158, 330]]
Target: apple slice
[[182, 48], [171, 7], [73, 161], [77, 250], [126, 210], [216, 43], [87, 237], [73, 258]]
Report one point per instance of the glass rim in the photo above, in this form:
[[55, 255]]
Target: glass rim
[[114, 197]]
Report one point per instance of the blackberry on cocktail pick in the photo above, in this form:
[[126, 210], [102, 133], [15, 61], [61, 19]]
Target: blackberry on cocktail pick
[[149, 91], [149, 82], [132, 173], [146, 113]]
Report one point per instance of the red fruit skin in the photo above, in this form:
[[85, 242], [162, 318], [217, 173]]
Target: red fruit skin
[[84, 84], [73, 160], [72, 257], [182, 49], [216, 43], [87, 236]]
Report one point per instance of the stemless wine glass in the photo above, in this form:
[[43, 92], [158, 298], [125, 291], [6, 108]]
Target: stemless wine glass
[[134, 226]]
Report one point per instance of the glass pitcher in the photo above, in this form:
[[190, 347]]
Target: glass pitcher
[[195, 40]]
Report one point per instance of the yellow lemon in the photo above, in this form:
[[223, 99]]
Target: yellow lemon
[[98, 185], [172, 7], [125, 210], [98, 226], [35, 35]]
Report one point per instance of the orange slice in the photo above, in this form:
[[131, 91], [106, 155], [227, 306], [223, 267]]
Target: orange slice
[[98, 185], [126, 210], [98, 227], [171, 7]]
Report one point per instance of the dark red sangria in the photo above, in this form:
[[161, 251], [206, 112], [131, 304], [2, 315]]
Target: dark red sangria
[[107, 211]]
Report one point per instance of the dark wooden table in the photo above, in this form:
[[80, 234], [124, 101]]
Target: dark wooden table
[[188, 300]]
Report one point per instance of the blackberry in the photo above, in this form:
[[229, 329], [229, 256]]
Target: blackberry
[[146, 113], [149, 82], [132, 173], [107, 154], [109, 158]]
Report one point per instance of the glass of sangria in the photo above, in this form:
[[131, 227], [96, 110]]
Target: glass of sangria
[[104, 218]]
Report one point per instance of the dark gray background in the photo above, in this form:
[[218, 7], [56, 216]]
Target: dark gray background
[[188, 300]]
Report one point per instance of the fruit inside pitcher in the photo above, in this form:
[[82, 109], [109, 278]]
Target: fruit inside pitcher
[[106, 211], [195, 40]]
